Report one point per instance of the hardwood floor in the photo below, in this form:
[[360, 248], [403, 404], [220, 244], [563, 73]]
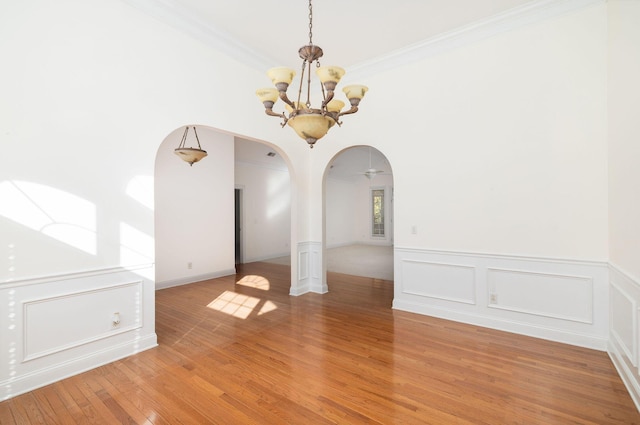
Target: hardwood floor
[[248, 353]]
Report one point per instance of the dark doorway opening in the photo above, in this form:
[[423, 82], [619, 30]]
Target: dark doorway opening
[[238, 225]]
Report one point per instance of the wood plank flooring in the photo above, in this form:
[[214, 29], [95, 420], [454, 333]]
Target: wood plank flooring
[[248, 353]]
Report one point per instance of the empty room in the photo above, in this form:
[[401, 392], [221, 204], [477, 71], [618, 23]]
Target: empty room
[[471, 255]]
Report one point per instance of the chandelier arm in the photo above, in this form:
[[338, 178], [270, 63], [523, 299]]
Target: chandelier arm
[[327, 98], [270, 112], [285, 99], [353, 110]]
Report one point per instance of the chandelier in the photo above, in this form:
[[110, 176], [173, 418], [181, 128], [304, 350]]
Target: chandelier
[[191, 154], [310, 123]]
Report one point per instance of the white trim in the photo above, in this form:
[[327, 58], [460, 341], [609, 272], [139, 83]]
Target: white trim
[[585, 279], [505, 256], [624, 358], [267, 257], [502, 22], [634, 280], [630, 352], [537, 316], [521, 328], [193, 279], [74, 275], [184, 20], [137, 324], [30, 381]]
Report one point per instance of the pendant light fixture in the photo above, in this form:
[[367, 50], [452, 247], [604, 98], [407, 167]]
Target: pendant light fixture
[[190, 155], [310, 123]]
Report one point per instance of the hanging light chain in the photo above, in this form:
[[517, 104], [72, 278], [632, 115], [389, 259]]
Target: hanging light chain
[[310, 23]]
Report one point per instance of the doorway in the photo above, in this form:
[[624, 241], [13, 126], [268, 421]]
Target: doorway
[[238, 225]]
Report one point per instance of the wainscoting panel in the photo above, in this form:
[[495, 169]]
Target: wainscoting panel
[[542, 294], [304, 263], [309, 270], [59, 326], [450, 282], [556, 299], [624, 339], [104, 312]]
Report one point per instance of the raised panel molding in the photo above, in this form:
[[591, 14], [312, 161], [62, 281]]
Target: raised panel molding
[[451, 282], [58, 327], [96, 307], [624, 335], [309, 269], [558, 296], [551, 298], [624, 322], [303, 265]]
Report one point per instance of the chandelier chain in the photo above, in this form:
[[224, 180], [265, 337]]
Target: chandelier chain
[[310, 24]]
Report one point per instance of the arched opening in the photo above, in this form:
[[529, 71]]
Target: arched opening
[[358, 214], [195, 208]]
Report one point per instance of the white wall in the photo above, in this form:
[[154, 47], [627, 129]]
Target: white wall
[[497, 146], [194, 220], [266, 208], [499, 156], [91, 89], [341, 213], [624, 189], [624, 128], [91, 106]]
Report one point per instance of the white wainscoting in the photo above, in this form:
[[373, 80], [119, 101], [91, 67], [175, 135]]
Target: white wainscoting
[[309, 277], [56, 327], [555, 299], [625, 325]]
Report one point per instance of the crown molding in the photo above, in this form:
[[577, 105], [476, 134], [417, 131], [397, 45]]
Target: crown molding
[[503, 22], [184, 20]]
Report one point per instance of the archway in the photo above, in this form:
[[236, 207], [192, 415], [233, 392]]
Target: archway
[[195, 209], [358, 214]]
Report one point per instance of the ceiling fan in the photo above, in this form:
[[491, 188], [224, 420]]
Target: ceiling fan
[[371, 172]]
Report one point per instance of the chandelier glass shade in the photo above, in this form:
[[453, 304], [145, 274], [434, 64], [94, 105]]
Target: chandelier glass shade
[[311, 124], [190, 154]]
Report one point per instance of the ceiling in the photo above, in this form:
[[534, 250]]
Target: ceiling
[[350, 32]]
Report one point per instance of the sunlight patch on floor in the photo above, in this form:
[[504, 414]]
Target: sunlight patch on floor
[[239, 305], [253, 281]]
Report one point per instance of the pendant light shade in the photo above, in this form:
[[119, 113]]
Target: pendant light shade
[[190, 154]]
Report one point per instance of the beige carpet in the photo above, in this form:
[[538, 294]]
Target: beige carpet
[[357, 260]]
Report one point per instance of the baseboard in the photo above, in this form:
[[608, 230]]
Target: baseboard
[[192, 279], [520, 328], [54, 373], [266, 257]]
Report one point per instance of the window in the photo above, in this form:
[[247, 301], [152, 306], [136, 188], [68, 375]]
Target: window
[[377, 212]]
